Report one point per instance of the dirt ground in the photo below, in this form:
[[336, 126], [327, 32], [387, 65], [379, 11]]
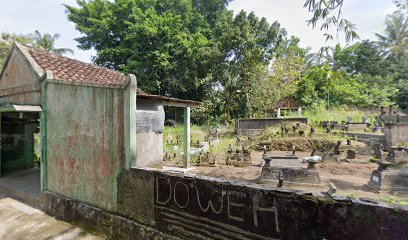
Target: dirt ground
[[349, 177]]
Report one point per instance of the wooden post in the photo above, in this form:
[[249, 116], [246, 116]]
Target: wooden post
[[279, 113], [300, 111], [186, 138]]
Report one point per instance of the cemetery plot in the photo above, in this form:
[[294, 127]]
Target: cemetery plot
[[318, 158]]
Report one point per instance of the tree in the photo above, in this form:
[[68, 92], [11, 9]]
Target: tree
[[180, 47], [6, 41], [394, 42], [362, 58], [329, 12], [47, 42], [166, 44], [247, 45]]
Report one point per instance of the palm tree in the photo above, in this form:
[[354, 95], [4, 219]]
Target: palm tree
[[395, 40], [47, 41]]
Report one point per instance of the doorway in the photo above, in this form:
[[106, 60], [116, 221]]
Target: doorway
[[20, 155]]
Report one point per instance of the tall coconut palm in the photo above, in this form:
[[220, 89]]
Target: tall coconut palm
[[395, 40], [46, 41]]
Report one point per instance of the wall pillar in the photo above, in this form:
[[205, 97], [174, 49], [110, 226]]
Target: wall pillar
[[186, 138], [130, 123], [43, 135]]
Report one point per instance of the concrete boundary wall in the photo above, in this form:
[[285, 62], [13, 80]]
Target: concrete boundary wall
[[109, 224], [265, 123], [198, 207], [161, 205]]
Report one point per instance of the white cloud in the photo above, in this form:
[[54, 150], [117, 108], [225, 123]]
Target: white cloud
[[368, 15]]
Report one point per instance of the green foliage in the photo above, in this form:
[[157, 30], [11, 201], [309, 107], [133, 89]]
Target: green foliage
[[281, 82], [320, 113], [166, 44], [47, 41], [239, 65], [394, 42], [402, 94], [362, 57], [182, 48], [329, 13], [6, 41]]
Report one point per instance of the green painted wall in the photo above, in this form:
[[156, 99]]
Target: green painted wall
[[85, 142]]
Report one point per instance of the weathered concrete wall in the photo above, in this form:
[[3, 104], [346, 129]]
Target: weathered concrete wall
[[19, 83], [149, 129], [149, 148], [85, 149], [92, 219], [394, 118], [267, 122], [396, 133], [193, 207]]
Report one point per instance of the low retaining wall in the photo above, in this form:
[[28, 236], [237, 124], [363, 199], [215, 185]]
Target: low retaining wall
[[394, 118], [366, 137], [264, 123], [111, 225], [159, 205], [208, 208]]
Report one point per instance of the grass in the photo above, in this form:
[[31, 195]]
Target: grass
[[338, 114], [198, 133], [393, 200]]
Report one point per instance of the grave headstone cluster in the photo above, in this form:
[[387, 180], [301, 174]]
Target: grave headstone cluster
[[296, 130], [238, 157]]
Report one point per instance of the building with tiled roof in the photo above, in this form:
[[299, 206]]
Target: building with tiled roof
[[93, 122]]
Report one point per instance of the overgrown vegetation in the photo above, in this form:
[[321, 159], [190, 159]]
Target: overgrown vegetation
[[44, 41], [238, 64]]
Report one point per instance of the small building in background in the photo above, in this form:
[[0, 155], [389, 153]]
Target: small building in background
[[287, 104]]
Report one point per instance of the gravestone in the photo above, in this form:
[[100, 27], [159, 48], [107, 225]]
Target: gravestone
[[389, 180], [356, 127], [397, 154], [238, 157], [312, 131], [377, 151], [283, 175]]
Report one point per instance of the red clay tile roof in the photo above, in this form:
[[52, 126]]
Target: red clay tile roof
[[67, 69], [140, 92], [71, 70]]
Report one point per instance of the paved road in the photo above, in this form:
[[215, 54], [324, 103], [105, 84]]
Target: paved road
[[22, 222]]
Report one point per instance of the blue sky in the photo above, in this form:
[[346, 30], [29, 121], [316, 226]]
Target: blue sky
[[48, 16]]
